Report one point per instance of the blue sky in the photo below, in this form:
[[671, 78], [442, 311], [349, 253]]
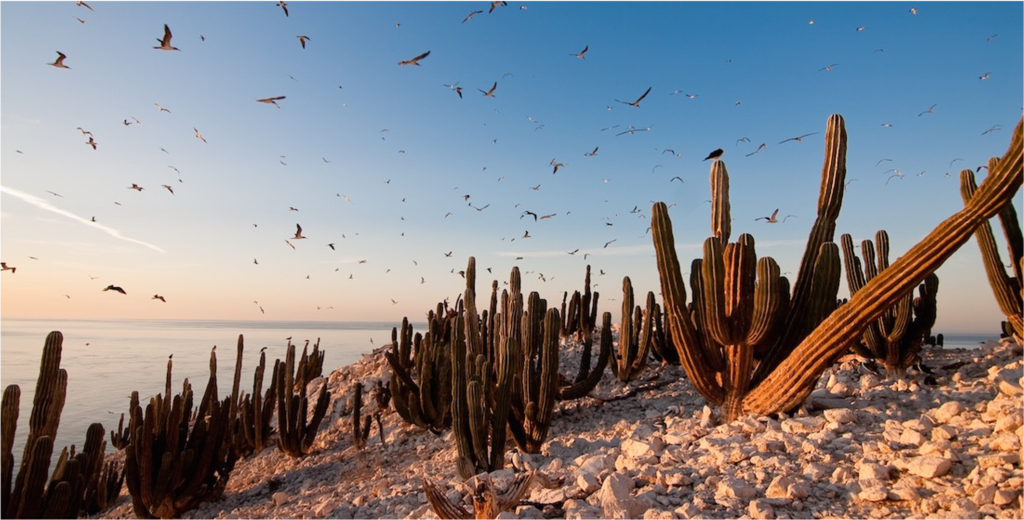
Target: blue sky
[[406, 150]]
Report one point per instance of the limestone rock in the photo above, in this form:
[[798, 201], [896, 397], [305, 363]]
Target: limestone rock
[[616, 498], [760, 510], [929, 466]]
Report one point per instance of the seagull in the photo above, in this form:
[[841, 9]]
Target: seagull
[[677, 177], [91, 142], [556, 165], [742, 140], [913, 11], [490, 93], [298, 233], [929, 111], [636, 104], [984, 76], [84, 131], [880, 161], [715, 154], [168, 188], [992, 129], [456, 88], [525, 213], [55, 194], [798, 139], [470, 16], [861, 28], [887, 125], [135, 187], [158, 297], [283, 6], [60, 61], [774, 218], [591, 154], [527, 234], [608, 243], [302, 40], [165, 43], [3, 267], [289, 244], [199, 135], [416, 60], [829, 68], [496, 4], [897, 174], [115, 288], [581, 53], [271, 100], [759, 148], [953, 161], [161, 109], [991, 37], [80, 3]]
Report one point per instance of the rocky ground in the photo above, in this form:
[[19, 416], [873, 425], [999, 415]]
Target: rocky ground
[[943, 447]]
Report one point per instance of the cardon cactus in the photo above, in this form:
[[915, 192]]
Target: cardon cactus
[[1006, 288], [487, 501], [360, 428], [121, 437], [171, 467], [536, 388], [296, 430], [787, 372], [423, 400], [257, 409], [897, 335], [636, 335], [583, 313]]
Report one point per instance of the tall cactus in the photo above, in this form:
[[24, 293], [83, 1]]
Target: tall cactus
[[787, 374], [636, 335], [360, 428], [426, 400], [296, 430], [897, 335], [257, 409], [537, 388], [1007, 288]]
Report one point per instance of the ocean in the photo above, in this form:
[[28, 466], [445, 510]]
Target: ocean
[[108, 359]]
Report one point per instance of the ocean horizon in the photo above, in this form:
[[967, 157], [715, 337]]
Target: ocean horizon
[[107, 360]]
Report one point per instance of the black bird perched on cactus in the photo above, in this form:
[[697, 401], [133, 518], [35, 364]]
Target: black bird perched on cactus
[[715, 154]]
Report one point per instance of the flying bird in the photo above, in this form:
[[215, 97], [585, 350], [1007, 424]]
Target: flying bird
[[303, 40], [992, 129], [677, 177], [168, 188], [3, 267], [470, 16], [608, 243], [161, 109], [80, 3], [774, 218], [91, 142], [456, 88], [984, 76], [60, 61], [416, 60], [556, 165], [298, 233], [636, 104], [829, 68], [759, 148], [591, 154], [715, 154], [581, 53], [797, 139], [284, 6], [271, 100], [490, 93], [135, 187], [496, 4], [115, 288], [165, 43], [929, 111], [199, 135], [158, 297]]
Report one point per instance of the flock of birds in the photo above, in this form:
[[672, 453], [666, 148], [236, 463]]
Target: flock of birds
[[165, 44]]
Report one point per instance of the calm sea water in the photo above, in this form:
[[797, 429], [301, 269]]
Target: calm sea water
[[107, 360]]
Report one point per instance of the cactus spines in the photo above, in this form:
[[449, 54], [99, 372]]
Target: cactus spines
[[296, 430]]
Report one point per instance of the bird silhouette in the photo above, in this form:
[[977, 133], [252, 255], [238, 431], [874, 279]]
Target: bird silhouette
[[303, 40], [165, 43], [3, 267], [490, 93], [59, 63], [797, 139], [715, 154], [581, 53], [115, 288], [416, 60], [298, 233], [271, 100], [470, 16], [636, 104], [158, 297], [284, 6]]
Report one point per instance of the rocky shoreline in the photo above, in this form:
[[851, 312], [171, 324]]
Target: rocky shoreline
[[946, 445]]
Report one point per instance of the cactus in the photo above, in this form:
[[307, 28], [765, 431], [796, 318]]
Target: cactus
[[295, 432], [897, 335], [382, 396], [538, 388], [169, 467], [587, 379], [257, 409], [426, 401], [662, 347], [636, 335], [121, 437], [487, 501], [8, 426], [788, 370], [311, 365], [360, 429], [1007, 288]]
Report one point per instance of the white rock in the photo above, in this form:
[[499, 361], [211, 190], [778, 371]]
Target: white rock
[[280, 498], [596, 465], [874, 493], [760, 510], [642, 449], [872, 471], [912, 438], [840, 415], [687, 511], [529, 512], [948, 411], [735, 488], [658, 514], [803, 424], [985, 495], [616, 498], [1005, 442], [944, 432], [1009, 422], [1005, 496], [929, 466], [588, 482], [1008, 383], [506, 515], [707, 418]]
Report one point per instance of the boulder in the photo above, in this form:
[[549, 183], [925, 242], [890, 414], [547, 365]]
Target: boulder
[[616, 499], [929, 466]]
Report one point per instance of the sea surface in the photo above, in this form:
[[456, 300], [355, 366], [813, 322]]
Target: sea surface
[[106, 360]]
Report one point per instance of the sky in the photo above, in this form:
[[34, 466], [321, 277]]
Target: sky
[[406, 179]]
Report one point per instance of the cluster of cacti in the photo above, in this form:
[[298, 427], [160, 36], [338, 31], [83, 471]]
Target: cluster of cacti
[[360, 425], [897, 335], [487, 501], [296, 429], [583, 313], [257, 409], [169, 467], [751, 347], [82, 482], [537, 387], [121, 437], [1008, 289], [663, 349], [636, 335], [580, 317], [313, 366], [425, 400]]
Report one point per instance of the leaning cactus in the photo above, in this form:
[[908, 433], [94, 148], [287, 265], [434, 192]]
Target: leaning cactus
[[171, 467], [296, 431], [790, 369], [897, 335], [636, 335], [1006, 288]]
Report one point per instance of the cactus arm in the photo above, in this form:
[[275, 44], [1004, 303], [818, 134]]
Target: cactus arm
[[721, 220], [791, 381], [584, 386]]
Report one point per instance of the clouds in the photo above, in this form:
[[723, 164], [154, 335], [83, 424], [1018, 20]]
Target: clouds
[[43, 204]]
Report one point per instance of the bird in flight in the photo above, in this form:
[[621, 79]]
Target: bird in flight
[[271, 100], [470, 16], [677, 177], [556, 165], [913, 11], [591, 154], [161, 109], [298, 233], [887, 125], [80, 3], [135, 187], [165, 43], [168, 188], [636, 104], [759, 148], [416, 60], [199, 135], [284, 6], [880, 161], [525, 213], [581, 53], [929, 111], [331, 245], [496, 4], [158, 297], [303, 40], [984, 76], [490, 93], [456, 88], [608, 243], [115, 288], [60, 61], [290, 244], [798, 139], [3, 267], [91, 142], [829, 68], [743, 140], [991, 129], [774, 218], [715, 154]]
